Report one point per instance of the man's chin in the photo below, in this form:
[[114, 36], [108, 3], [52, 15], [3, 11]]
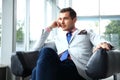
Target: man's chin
[[64, 29]]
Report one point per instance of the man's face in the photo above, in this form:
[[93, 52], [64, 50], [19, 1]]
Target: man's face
[[66, 22]]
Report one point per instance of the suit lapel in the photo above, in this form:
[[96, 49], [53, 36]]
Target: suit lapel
[[73, 35]]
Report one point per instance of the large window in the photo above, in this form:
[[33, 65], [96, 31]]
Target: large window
[[32, 17]]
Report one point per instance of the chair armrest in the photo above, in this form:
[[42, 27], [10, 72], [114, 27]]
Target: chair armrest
[[22, 63], [16, 66], [103, 64]]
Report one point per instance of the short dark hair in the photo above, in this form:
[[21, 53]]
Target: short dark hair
[[70, 10]]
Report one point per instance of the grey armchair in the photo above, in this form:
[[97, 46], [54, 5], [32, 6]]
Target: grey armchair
[[101, 65]]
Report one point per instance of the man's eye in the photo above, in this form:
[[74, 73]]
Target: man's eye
[[60, 19]]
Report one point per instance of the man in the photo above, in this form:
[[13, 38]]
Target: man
[[51, 65]]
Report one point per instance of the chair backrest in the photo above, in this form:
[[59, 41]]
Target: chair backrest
[[23, 62]]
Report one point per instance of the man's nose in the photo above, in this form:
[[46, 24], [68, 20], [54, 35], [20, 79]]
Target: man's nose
[[62, 21]]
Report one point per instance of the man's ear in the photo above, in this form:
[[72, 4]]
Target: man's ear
[[74, 19]]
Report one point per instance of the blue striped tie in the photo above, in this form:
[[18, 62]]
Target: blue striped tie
[[65, 54]]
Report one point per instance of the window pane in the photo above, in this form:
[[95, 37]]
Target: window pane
[[112, 32], [0, 21], [48, 13], [88, 24], [109, 7], [20, 27], [96, 7], [37, 20], [86, 7], [0, 25], [63, 3]]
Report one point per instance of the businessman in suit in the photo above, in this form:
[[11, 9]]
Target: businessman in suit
[[51, 65]]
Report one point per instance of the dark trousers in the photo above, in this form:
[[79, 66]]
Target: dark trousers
[[49, 67]]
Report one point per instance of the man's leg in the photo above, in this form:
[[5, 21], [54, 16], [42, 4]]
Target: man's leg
[[67, 71], [34, 74], [49, 67], [46, 65]]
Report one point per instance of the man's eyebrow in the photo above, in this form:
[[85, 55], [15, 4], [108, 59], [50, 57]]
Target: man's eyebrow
[[66, 17]]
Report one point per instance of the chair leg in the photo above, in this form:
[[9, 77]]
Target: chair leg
[[114, 77]]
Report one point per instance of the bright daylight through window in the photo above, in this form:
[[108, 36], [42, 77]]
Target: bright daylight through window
[[98, 15]]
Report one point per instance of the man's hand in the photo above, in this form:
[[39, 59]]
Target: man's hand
[[103, 45], [55, 24]]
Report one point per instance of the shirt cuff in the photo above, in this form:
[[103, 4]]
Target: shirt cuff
[[48, 29]]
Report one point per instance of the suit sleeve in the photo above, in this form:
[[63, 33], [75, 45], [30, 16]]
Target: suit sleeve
[[95, 38], [40, 42]]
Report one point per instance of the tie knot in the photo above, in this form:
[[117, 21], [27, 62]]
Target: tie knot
[[69, 34]]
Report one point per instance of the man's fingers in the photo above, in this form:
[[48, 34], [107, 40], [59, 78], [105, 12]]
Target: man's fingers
[[103, 45]]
